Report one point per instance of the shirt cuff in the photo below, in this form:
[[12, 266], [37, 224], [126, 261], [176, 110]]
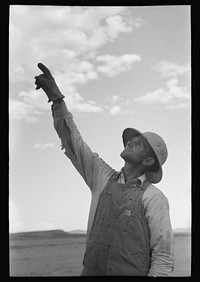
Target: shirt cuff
[[59, 110]]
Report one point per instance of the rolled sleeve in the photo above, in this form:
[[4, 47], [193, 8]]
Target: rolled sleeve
[[161, 236], [88, 164]]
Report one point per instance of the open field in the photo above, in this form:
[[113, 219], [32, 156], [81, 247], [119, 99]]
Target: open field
[[182, 254], [47, 257], [62, 255]]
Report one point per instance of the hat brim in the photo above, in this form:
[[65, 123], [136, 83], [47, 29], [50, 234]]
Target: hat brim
[[128, 134]]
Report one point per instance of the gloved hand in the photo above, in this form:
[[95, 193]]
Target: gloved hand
[[48, 84]]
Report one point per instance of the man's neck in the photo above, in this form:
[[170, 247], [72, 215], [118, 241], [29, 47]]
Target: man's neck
[[132, 171]]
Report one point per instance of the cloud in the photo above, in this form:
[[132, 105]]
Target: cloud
[[117, 24], [115, 65], [20, 110], [60, 34], [36, 99], [43, 146], [35, 103], [80, 73], [172, 96], [180, 106], [138, 22], [68, 38], [170, 69], [75, 102], [116, 105], [113, 99], [115, 110], [31, 107]]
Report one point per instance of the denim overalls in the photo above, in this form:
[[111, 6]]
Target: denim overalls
[[119, 239]]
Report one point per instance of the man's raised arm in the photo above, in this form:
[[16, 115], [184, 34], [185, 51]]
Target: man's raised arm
[[88, 164]]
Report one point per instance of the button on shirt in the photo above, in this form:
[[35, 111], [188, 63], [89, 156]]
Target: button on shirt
[[96, 174]]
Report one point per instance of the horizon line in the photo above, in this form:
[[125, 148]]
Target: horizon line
[[84, 231]]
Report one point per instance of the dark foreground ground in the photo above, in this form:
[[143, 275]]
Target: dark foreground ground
[[60, 254]]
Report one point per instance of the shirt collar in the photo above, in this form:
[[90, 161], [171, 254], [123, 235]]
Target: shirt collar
[[142, 178]]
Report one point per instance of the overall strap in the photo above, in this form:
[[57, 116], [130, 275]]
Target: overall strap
[[145, 185], [115, 176]]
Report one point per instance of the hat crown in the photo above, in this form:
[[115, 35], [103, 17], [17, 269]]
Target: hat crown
[[158, 145]]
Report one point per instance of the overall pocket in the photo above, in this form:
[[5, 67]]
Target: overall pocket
[[128, 219]]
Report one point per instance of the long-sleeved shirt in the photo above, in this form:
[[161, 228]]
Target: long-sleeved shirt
[[96, 174]]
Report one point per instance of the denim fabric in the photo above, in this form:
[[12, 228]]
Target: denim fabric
[[119, 239]]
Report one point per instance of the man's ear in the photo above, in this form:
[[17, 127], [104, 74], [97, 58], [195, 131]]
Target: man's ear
[[148, 161]]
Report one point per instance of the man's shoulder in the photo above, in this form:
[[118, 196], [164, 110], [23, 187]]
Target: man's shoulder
[[153, 192]]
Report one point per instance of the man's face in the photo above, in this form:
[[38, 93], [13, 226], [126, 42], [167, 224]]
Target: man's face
[[136, 150]]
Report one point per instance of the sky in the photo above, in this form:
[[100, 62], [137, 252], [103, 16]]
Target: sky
[[118, 67]]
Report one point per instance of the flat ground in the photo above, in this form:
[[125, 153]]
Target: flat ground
[[63, 256], [182, 254]]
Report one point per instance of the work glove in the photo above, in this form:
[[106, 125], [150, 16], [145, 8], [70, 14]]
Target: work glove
[[48, 84]]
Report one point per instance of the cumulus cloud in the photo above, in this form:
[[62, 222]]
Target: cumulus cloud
[[113, 99], [180, 106], [59, 34], [75, 101], [115, 65], [43, 146], [117, 24], [36, 99], [115, 110], [68, 37], [171, 95], [138, 22], [171, 69], [80, 73], [35, 102], [20, 110], [116, 105]]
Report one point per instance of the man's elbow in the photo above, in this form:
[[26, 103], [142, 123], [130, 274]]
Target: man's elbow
[[162, 265]]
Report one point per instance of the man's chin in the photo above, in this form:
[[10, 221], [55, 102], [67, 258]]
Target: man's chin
[[123, 155]]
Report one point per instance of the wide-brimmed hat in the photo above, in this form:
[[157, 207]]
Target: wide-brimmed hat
[[158, 146]]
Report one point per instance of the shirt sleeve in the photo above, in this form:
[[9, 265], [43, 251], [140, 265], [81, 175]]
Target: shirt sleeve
[[90, 166], [161, 236]]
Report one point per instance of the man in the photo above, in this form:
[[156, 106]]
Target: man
[[129, 230]]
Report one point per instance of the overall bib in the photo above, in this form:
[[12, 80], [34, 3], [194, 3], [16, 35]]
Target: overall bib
[[119, 239]]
